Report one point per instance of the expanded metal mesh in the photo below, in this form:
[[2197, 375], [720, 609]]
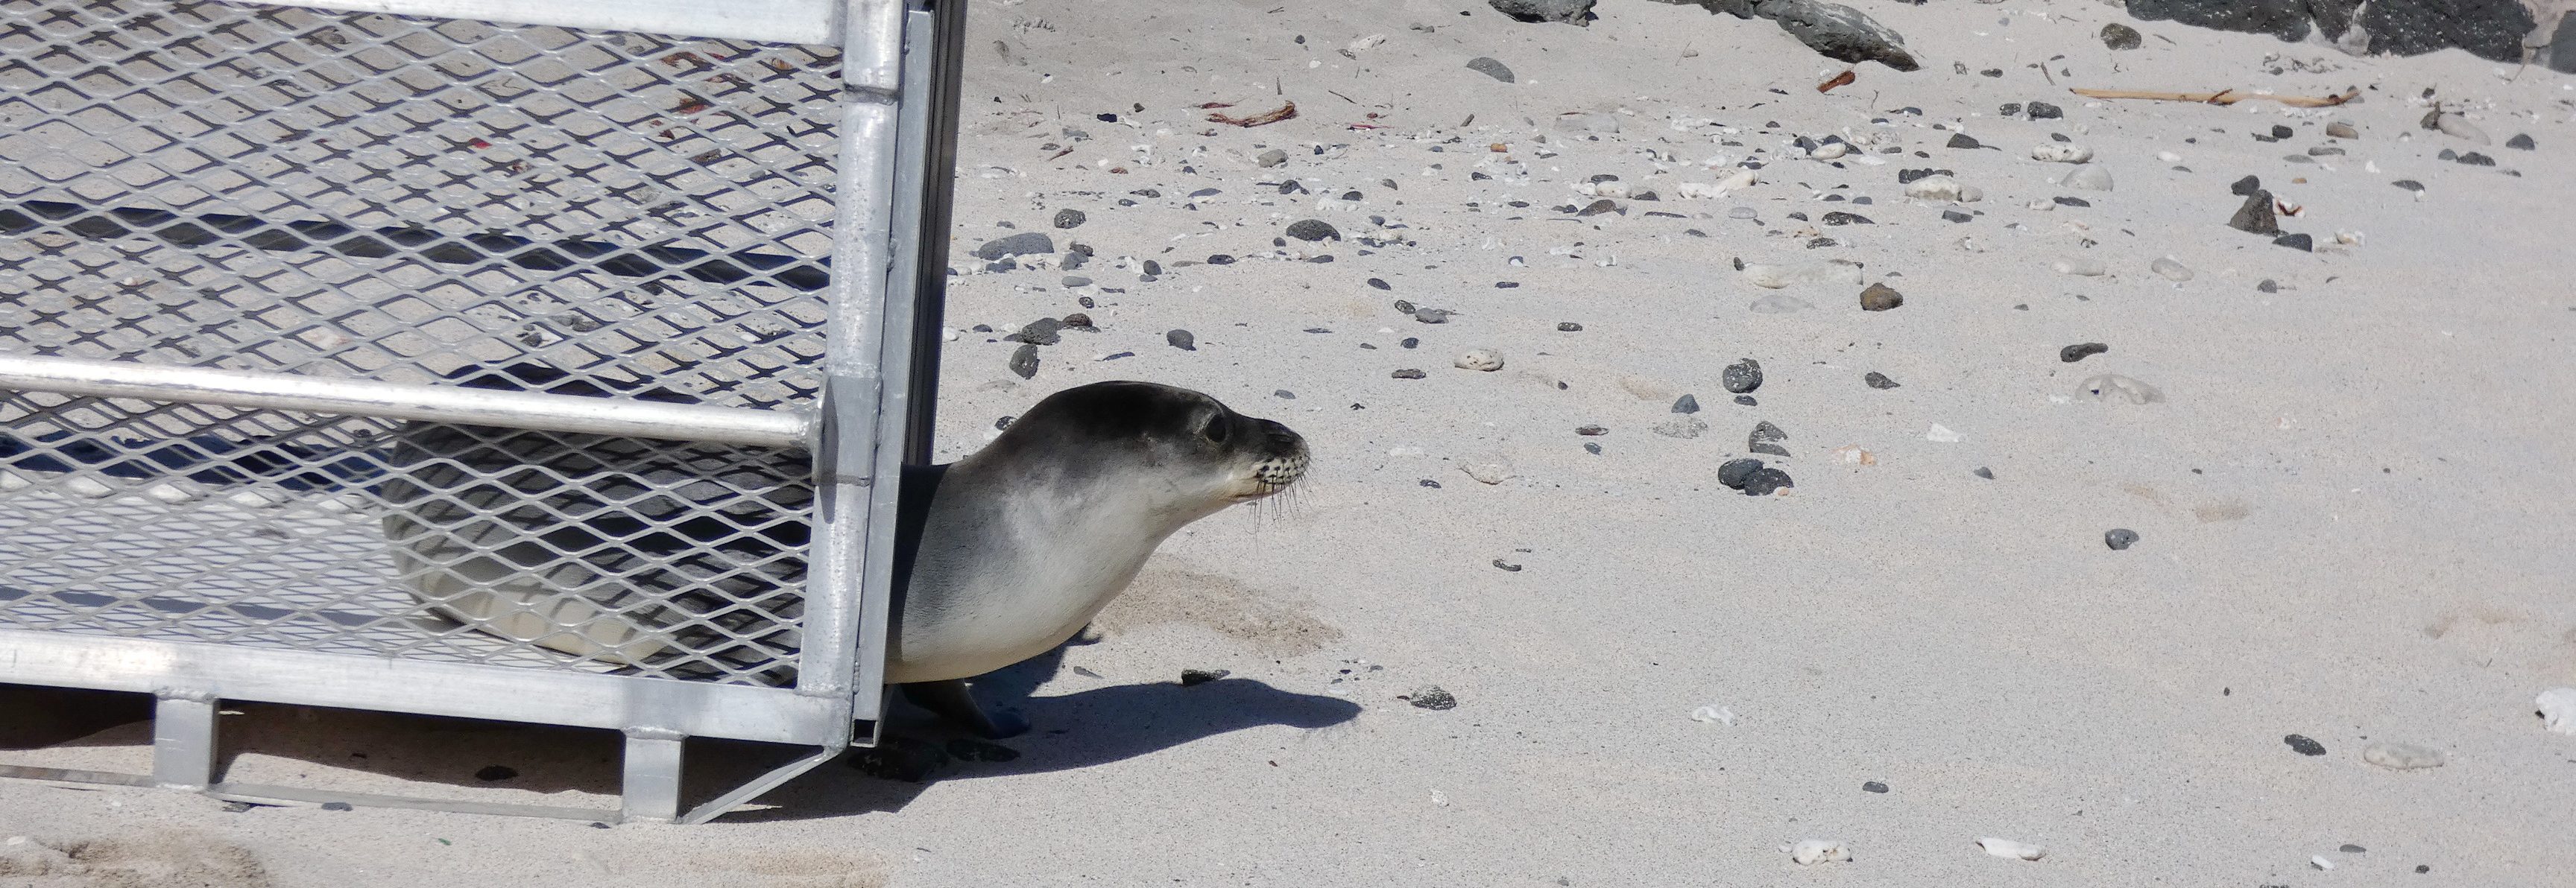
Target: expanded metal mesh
[[425, 201]]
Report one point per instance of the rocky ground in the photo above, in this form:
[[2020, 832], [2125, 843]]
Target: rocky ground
[[2152, 488]]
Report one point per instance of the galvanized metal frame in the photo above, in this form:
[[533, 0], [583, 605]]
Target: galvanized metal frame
[[897, 145]]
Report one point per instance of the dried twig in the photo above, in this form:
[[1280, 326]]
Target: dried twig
[[1843, 79], [1284, 112], [2221, 97]]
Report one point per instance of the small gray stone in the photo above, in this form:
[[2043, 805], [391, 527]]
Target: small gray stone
[[2080, 351], [1181, 339], [1765, 438], [1490, 68], [2119, 538], [1313, 230], [2342, 130], [1877, 380], [2268, 285], [1070, 218], [1191, 678], [2522, 142], [1684, 427], [2410, 185], [1023, 244], [1432, 697], [2303, 745], [2119, 36], [2090, 177], [1572, 12], [1407, 374], [1765, 481], [2256, 216], [1042, 331], [1880, 297], [1271, 158], [1983, 472], [1075, 280], [1568, 327], [1431, 315], [1873, 786], [1686, 404], [1963, 140], [1734, 471], [2296, 242], [1025, 361], [1742, 376]]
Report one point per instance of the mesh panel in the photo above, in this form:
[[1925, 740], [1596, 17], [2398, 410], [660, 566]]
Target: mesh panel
[[410, 200]]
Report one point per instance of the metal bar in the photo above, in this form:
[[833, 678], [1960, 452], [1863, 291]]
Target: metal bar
[[872, 44], [183, 742], [77, 775], [265, 793], [935, 186], [815, 22], [651, 791], [462, 690], [391, 400], [764, 783], [845, 457]]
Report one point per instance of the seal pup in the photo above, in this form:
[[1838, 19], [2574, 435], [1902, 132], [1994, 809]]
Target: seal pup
[[1007, 553], [687, 558]]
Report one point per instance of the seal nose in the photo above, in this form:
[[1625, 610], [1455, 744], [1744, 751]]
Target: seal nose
[[1284, 441]]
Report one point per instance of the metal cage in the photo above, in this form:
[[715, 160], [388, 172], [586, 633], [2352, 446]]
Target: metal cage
[[533, 361]]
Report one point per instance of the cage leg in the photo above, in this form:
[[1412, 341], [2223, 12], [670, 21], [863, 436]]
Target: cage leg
[[183, 743], [652, 782]]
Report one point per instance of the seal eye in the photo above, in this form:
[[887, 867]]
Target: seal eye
[[1216, 429]]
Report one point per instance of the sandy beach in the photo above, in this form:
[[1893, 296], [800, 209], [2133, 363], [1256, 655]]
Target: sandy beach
[[2349, 493]]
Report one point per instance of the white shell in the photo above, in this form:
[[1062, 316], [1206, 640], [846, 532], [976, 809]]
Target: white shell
[[1485, 359], [2059, 152], [1935, 188], [1815, 851], [2012, 849], [2558, 710]]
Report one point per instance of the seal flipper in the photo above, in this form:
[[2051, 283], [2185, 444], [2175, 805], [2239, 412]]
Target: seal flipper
[[951, 700]]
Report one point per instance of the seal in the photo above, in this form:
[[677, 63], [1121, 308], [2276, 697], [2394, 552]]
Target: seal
[[687, 558]]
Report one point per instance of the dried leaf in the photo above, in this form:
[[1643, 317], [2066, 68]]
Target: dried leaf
[[1284, 112]]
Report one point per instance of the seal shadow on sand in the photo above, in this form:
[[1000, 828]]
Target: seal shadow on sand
[[1081, 729]]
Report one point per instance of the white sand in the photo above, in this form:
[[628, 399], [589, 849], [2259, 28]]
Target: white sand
[[2353, 503]]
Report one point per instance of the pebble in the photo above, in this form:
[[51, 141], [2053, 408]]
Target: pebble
[[2080, 267], [2557, 710], [1853, 455], [1765, 438], [2012, 849], [1598, 207], [1766, 481], [1568, 327], [2256, 215], [2410, 185], [1746, 400], [1311, 230], [1591, 431], [1490, 68], [1983, 472], [1941, 434], [2300, 744], [2268, 285], [1963, 140], [1191, 678], [1070, 218], [2119, 538], [1780, 303], [2245, 186], [1739, 377], [1075, 281], [1880, 297], [2119, 36], [1432, 697], [1778, 276], [2088, 177], [2296, 242], [1938, 188], [2522, 142], [1907, 177], [1829, 151], [2045, 111], [2324, 151], [2080, 351], [1877, 380], [1842, 218], [1956, 216], [1686, 404], [2071, 201], [1685, 427], [2475, 159], [1741, 213], [1484, 359], [2342, 130], [1808, 852], [1733, 472], [1181, 339], [2110, 388], [1271, 158], [1873, 786], [2056, 153], [2401, 756], [2170, 269], [1407, 374], [1025, 361], [1023, 244], [1431, 315]]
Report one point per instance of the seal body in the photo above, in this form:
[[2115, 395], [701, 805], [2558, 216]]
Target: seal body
[[688, 559], [1020, 544]]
